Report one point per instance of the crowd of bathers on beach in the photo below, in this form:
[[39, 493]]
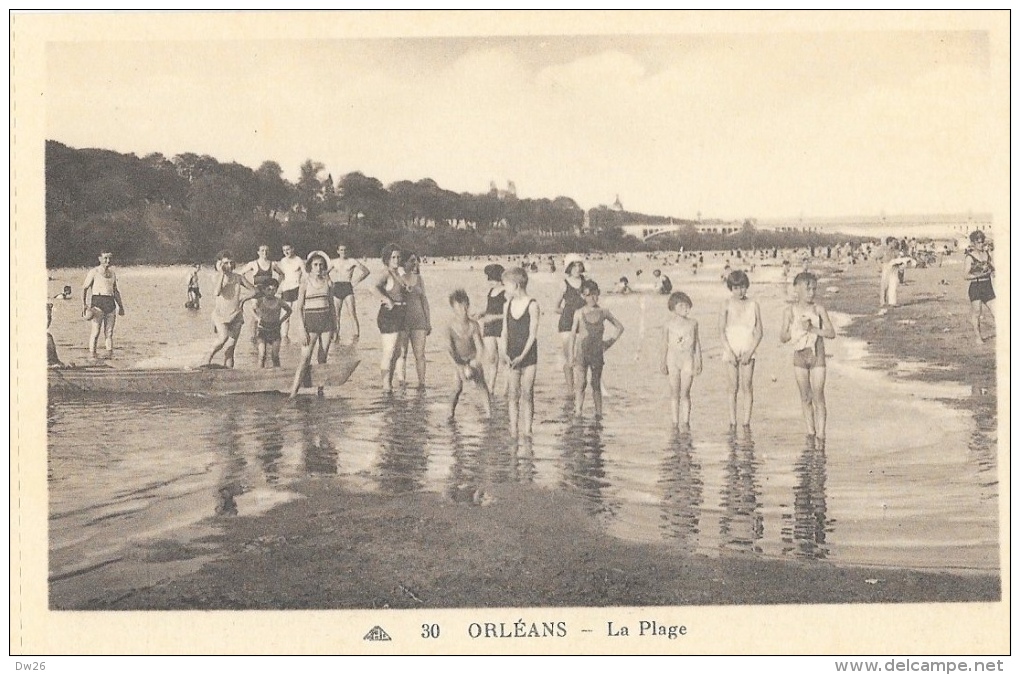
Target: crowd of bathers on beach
[[313, 292]]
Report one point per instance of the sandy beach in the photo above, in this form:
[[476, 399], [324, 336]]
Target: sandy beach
[[526, 546]]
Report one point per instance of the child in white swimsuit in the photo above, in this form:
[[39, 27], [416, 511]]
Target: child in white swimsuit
[[741, 328]]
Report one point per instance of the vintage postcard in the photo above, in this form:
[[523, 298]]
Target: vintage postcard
[[510, 333]]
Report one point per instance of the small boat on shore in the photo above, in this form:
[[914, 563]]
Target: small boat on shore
[[194, 381]]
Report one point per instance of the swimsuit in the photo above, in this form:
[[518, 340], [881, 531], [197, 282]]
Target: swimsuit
[[392, 320], [494, 305], [228, 303], [590, 351], [415, 318], [517, 331], [572, 301], [320, 316], [740, 328], [268, 327], [679, 348], [292, 269], [980, 289], [106, 303], [341, 289], [261, 275], [808, 348]]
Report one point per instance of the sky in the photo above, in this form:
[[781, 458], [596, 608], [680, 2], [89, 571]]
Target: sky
[[723, 125]]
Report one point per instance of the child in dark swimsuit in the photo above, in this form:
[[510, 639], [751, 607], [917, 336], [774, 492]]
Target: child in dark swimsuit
[[805, 324], [588, 346], [520, 344], [270, 313], [492, 322]]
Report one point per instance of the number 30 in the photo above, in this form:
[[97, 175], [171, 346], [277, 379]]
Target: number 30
[[430, 630]]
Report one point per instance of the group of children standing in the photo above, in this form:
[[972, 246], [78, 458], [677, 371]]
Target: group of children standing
[[509, 327]]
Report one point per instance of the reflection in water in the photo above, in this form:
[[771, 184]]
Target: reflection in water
[[806, 538], [318, 452], [682, 489], [268, 431], [584, 468], [404, 436], [232, 479], [741, 525], [486, 457]]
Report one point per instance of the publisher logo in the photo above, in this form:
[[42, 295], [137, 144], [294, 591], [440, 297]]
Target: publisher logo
[[377, 634]]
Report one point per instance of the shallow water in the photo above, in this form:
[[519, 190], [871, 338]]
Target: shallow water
[[904, 480]]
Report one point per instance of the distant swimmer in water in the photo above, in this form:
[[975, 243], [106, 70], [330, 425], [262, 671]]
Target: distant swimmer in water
[[681, 358], [662, 284], [622, 286], [101, 302], [741, 329], [64, 294], [194, 292]]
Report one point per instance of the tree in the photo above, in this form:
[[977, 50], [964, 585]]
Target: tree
[[309, 188], [273, 193]]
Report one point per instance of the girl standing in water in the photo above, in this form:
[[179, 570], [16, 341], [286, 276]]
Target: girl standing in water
[[392, 313], [417, 323], [314, 309], [492, 323], [740, 325], [570, 302]]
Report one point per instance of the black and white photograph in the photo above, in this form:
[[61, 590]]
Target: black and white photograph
[[510, 332]]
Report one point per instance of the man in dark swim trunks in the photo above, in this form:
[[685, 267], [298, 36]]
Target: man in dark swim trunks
[[101, 303]]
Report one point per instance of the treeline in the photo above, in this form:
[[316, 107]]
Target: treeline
[[155, 209]]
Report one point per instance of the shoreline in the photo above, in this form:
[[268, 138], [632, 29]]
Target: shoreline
[[338, 549]]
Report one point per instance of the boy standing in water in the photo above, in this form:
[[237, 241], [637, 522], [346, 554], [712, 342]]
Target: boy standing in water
[[194, 293], [587, 346], [805, 324], [740, 325], [681, 358], [520, 345], [270, 313], [464, 344], [227, 315]]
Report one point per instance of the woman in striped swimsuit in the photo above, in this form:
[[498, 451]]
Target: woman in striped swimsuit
[[314, 308]]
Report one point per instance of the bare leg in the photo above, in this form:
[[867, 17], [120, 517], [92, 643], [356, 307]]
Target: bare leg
[[975, 319], [686, 380], [807, 409], [568, 370], [486, 396], [580, 384], [417, 340], [818, 401], [747, 390], [349, 301], [528, 398], [222, 337], [95, 328], [275, 353], [109, 322], [732, 383], [400, 362], [458, 388], [262, 353], [674, 396], [390, 343], [596, 389], [306, 359], [513, 378], [491, 364]]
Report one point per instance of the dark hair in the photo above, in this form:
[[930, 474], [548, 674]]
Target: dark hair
[[494, 272], [225, 253], [590, 286], [976, 236], [737, 279], [271, 281], [804, 278], [676, 298], [459, 297], [571, 266], [388, 250], [624, 280], [407, 255]]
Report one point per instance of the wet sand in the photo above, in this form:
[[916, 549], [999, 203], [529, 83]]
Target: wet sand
[[338, 549]]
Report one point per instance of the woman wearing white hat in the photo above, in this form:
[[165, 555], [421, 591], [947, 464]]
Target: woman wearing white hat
[[314, 308], [570, 302]]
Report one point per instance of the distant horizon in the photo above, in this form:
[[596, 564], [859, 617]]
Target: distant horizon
[[766, 125]]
